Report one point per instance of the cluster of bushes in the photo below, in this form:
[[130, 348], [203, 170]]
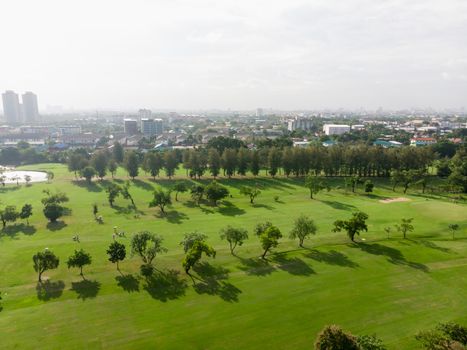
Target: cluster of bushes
[[446, 336]]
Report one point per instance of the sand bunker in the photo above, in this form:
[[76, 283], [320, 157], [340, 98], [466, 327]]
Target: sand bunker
[[392, 200], [19, 176]]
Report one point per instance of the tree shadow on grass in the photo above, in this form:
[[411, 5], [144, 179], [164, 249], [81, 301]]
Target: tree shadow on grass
[[393, 255], [265, 206], [86, 289], [143, 184], [123, 210], [294, 266], [256, 267], [176, 217], [49, 290], [213, 282], [230, 209], [56, 226], [338, 205], [17, 228], [90, 186], [430, 245], [128, 283], [165, 285], [332, 258]]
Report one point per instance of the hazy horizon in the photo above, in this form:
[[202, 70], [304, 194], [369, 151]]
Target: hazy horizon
[[236, 55]]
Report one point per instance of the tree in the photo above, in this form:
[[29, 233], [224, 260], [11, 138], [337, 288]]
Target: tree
[[255, 164], [113, 166], [79, 259], [453, 228], [88, 173], [197, 193], [243, 159], [303, 227], [193, 255], [405, 226], [9, 214], [170, 163], [76, 162], [116, 253], [125, 191], [334, 338], [269, 238], [229, 161], [446, 336], [369, 186], [26, 212], [147, 245], [58, 197], [44, 261], [50, 176], [370, 342], [251, 192], [190, 238], [100, 162], [117, 152], [53, 211], [274, 160], [131, 164], [215, 192], [353, 226], [214, 162], [179, 187], [315, 185], [113, 191], [153, 163], [161, 199], [27, 179], [235, 236]]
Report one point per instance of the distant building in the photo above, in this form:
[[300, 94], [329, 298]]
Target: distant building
[[299, 124], [145, 113], [30, 107], [11, 107], [335, 129], [358, 127], [151, 127], [130, 126], [387, 144], [69, 130], [422, 141], [301, 144]]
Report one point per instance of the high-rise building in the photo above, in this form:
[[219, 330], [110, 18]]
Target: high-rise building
[[30, 108], [11, 107], [130, 126], [151, 127], [299, 124]]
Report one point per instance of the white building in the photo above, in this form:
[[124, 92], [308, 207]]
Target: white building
[[335, 129]]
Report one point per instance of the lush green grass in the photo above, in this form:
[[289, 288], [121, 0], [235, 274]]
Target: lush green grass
[[391, 287]]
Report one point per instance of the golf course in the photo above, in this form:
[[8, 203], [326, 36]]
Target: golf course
[[380, 284]]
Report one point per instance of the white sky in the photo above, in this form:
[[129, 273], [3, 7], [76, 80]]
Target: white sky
[[239, 54]]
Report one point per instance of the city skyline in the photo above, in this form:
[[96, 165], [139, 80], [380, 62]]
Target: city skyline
[[238, 55]]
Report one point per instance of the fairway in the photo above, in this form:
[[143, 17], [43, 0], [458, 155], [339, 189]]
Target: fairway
[[391, 287]]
